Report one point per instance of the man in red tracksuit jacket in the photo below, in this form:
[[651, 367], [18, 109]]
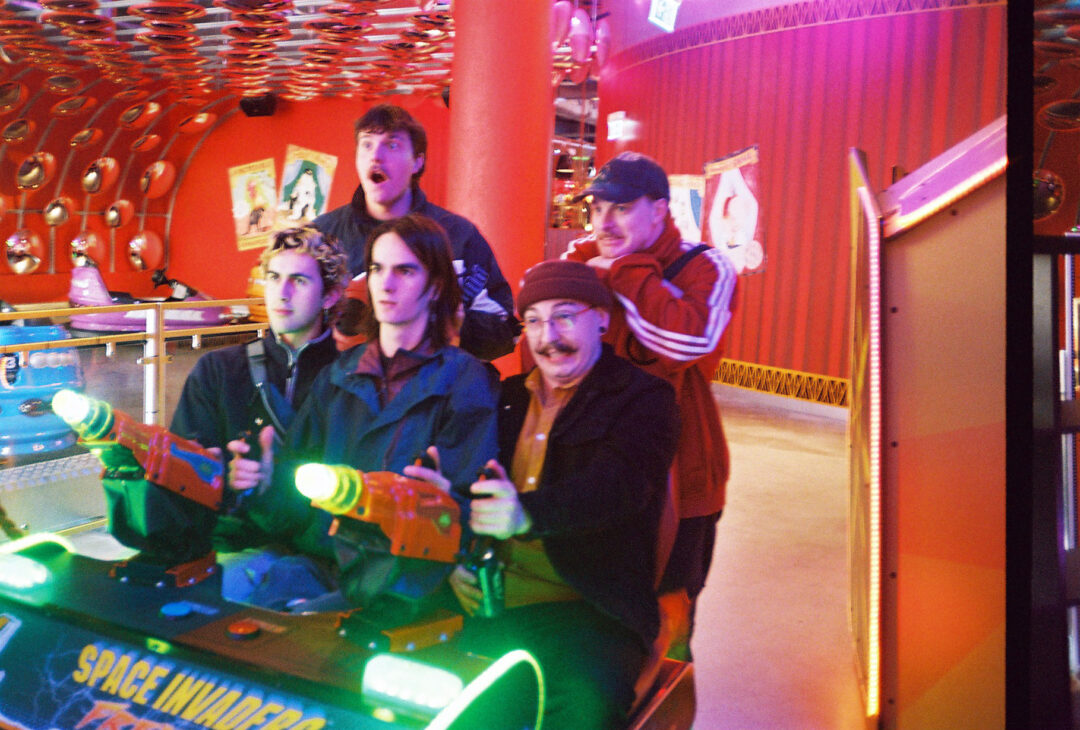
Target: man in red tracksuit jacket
[[672, 305]]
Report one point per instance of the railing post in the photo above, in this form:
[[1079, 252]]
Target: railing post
[[154, 362]]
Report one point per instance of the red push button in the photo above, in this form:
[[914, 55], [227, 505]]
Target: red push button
[[243, 629]]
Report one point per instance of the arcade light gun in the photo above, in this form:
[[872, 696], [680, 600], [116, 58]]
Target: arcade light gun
[[396, 539], [419, 519], [162, 491]]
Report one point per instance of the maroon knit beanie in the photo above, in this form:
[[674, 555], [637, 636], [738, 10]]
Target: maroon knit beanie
[[561, 279]]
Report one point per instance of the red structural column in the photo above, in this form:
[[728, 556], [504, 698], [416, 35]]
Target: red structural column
[[501, 121]]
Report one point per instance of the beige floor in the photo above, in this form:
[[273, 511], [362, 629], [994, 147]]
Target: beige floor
[[772, 647]]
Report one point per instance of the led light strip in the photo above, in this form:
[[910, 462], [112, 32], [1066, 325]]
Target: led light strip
[[37, 538], [873, 684], [929, 208], [487, 678]]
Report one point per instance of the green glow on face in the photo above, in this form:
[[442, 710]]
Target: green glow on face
[[71, 406], [403, 682], [317, 482]]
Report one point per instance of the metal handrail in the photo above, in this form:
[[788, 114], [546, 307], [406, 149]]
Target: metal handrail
[[153, 338]]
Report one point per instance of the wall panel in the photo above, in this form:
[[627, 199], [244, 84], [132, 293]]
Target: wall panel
[[197, 227], [903, 81]]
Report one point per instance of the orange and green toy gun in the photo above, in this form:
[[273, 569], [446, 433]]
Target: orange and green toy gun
[[163, 491], [419, 519], [396, 540]]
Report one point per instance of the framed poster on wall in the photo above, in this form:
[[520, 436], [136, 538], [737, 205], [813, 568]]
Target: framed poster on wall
[[253, 188], [305, 185], [733, 217], [687, 196]]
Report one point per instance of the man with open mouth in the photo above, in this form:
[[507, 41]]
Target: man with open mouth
[[391, 149]]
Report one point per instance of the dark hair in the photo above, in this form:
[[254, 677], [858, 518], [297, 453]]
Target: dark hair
[[429, 243], [386, 118], [324, 248]]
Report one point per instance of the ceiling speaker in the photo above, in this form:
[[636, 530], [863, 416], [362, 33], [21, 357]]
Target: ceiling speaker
[[258, 106]]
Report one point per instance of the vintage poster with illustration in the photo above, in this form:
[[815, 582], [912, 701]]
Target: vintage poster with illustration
[[685, 204], [253, 187], [733, 216], [305, 185]]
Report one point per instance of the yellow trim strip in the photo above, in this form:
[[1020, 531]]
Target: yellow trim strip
[[778, 381]]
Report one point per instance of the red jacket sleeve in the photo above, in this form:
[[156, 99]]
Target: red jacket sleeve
[[581, 249], [681, 321]]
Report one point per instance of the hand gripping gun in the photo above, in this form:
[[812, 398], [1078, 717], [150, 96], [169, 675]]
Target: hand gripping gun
[[162, 491], [419, 519], [396, 540]]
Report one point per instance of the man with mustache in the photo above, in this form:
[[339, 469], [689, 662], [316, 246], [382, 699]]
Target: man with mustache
[[672, 304], [575, 497], [391, 148]]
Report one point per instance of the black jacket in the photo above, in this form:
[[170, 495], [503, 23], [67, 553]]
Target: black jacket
[[490, 326], [219, 400], [597, 507]]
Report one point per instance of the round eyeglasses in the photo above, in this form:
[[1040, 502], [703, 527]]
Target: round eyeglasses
[[562, 321]]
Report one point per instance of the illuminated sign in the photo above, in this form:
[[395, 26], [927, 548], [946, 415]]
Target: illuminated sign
[[662, 13], [144, 681], [620, 127]]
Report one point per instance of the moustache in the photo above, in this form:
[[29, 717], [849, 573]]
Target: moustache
[[560, 347]]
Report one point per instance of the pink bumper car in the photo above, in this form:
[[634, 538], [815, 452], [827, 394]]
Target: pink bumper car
[[88, 290]]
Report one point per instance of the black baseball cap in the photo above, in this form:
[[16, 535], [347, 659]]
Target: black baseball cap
[[627, 177]]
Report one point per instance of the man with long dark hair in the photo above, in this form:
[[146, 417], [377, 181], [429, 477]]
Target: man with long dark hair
[[389, 400]]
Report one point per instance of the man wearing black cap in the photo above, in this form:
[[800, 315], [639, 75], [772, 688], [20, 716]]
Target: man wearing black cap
[[672, 304], [587, 440]]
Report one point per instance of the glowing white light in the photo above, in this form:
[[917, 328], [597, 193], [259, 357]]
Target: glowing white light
[[37, 538], [71, 406], [402, 681], [20, 572], [316, 481]]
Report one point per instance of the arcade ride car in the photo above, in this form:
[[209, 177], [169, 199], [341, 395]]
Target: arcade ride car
[[88, 290], [28, 382], [149, 641]]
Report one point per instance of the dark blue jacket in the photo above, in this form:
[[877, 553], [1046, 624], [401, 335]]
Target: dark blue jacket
[[449, 403], [490, 326], [219, 400], [598, 505]]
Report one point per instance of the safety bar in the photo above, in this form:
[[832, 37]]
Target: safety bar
[[153, 338]]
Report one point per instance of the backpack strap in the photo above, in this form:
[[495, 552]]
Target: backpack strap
[[678, 264], [256, 357]]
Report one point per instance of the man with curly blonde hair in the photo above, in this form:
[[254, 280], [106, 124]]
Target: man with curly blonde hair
[[248, 393]]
